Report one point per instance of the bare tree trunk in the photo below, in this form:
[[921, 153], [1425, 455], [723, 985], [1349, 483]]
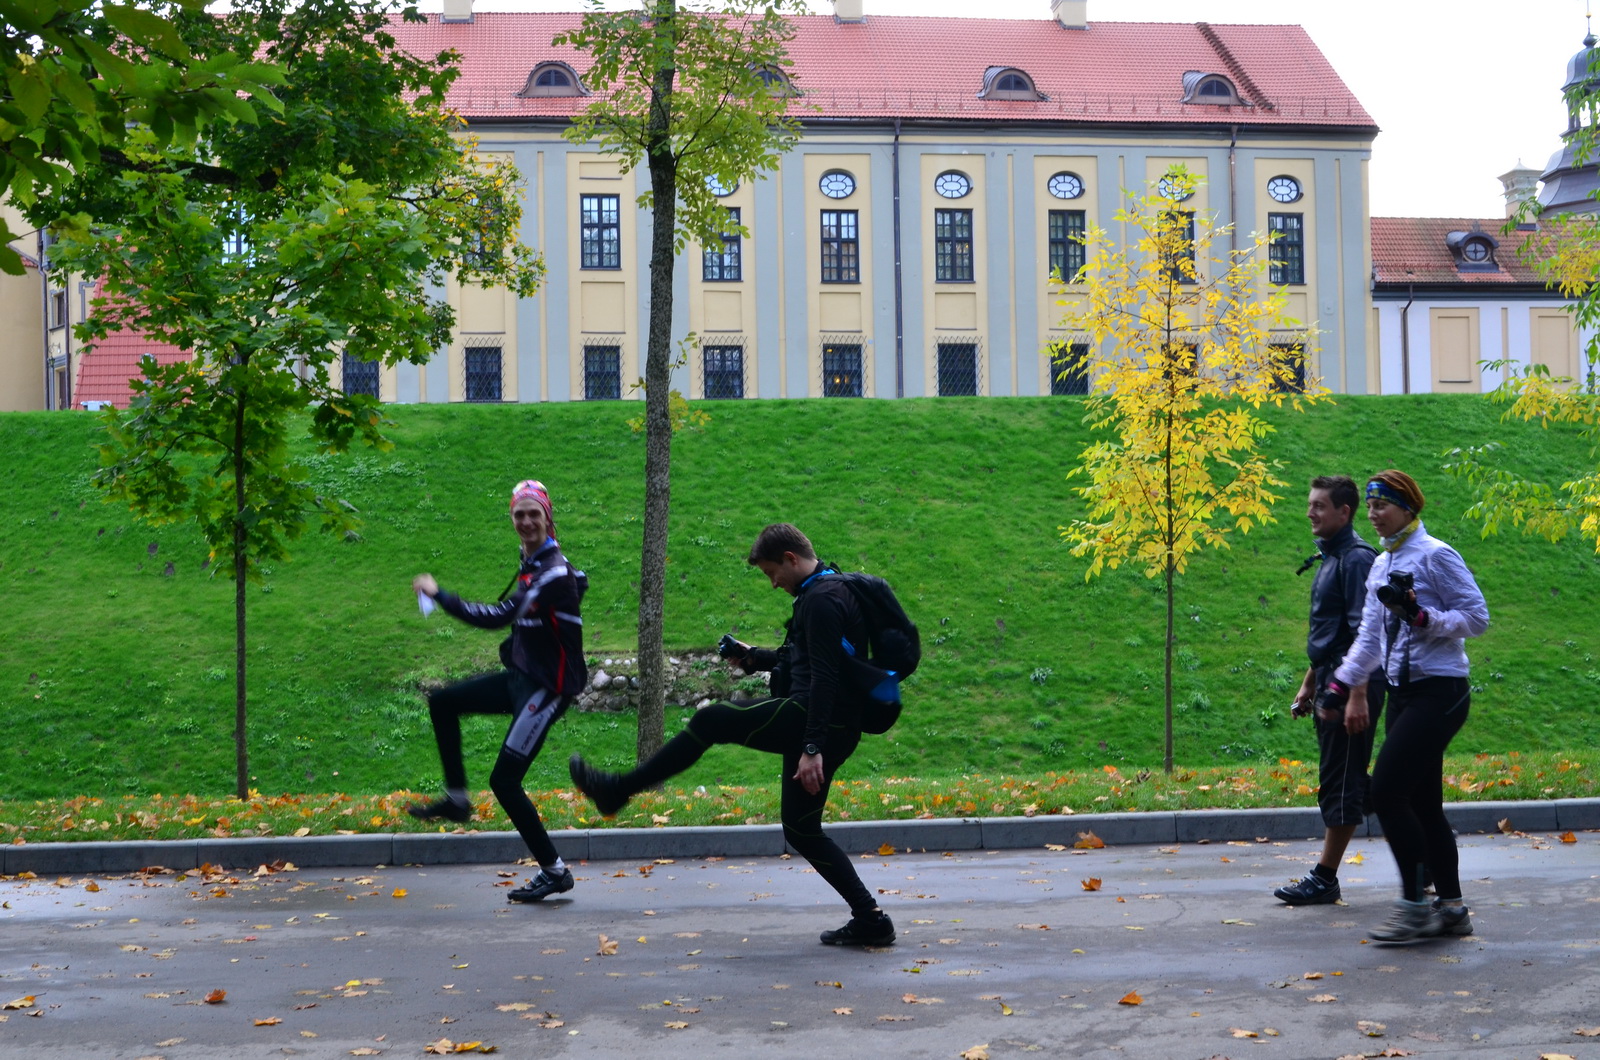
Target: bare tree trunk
[[241, 753], [1171, 545], [657, 392], [1167, 761]]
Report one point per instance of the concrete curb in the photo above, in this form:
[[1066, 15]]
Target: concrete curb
[[854, 837]]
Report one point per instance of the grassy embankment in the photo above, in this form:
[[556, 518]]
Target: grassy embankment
[[117, 674]]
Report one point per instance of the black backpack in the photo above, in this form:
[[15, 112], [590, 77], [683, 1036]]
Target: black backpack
[[893, 642]]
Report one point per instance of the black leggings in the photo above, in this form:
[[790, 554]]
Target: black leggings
[[533, 711], [776, 726], [1408, 782]]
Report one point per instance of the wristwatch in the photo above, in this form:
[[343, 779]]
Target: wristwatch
[[812, 749]]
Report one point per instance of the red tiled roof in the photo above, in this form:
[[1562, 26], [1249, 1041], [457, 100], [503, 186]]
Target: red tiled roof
[[1412, 250], [104, 372], [932, 68]]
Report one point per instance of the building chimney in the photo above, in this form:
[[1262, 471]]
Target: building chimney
[[849, 11], [1073, 14], [457, 11], [1521, 184]]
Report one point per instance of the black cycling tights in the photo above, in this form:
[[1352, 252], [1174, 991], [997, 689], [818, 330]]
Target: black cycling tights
[[1408, 782], [776, 726], [532, 714]]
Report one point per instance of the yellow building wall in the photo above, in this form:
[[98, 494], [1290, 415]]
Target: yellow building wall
[[954, 312], [723, 312], [843, 309], [1055, 299], [603, 304], [1453, 342]]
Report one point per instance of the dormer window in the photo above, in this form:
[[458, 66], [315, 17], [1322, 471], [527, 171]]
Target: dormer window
[[777, 81], [1202, 87], [1007, 82], [553, 79], [1473, 251]]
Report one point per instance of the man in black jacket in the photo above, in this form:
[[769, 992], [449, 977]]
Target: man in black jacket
[[1337, 595], [812, 719], [544, 672]]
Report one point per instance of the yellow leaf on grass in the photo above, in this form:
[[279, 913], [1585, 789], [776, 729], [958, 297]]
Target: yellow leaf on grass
[[608, 947], [1089, 841], [886, 849], [1091, 884], [1131, 998]]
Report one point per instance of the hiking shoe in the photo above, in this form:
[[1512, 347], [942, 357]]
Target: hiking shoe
[[444, 807], [873, 929], [1407, 922], [602, 787], [1311, 890], [1453, 920], [542, 886]]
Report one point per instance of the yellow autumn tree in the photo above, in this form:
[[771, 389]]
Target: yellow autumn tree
[[1187, 339]]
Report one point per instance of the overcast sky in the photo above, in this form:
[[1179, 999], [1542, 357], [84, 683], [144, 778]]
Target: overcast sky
[[1462, 90]]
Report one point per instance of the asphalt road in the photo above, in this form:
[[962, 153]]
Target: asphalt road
[[1007, 951]]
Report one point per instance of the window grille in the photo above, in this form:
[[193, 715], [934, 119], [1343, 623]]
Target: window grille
[[360, 377], [722, 371], [957, 369], [482, 365], [602, 373], [1289, 367], [843, 365], [1069, 369]]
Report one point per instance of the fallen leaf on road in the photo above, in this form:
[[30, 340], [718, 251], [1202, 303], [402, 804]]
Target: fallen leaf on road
[[833, 983], [514, 1006], [895, 1019], [1005, 1009], [844, 1012], [912, 999], [365, 1050], [1240, 1032], [1131, 998], [1312, 975], [1356, 859], [1091, 884], [1504, 824], [1089, 841], [270, 1021], [170, 1042], [398, 892], [21, 1002], [1054, 846], [216, 997], [608, 947], [1567, 837], [1322, 998], [977, 1052], [676, 1025], [1371, 1028], [91, 887], [1588, 1032], [1034, 927], [886, 849]]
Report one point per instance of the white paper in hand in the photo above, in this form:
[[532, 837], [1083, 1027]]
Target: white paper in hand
[[425, 604]]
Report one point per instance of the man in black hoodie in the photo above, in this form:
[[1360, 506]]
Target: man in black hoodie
[[812, 719], [1338, 593], [544, 672]]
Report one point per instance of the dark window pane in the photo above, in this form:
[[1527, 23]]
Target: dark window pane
[[1069, 369], [1287, 254], [841, 247], [841, 370], [1185, 250], [952, 246], [1066, 243], [360, 377], [483, 373], [958, 369], [600, 220], [1289, 363], [602, 373], [724, 371], [724, 265]]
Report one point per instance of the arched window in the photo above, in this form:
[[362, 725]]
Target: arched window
[[553, 79], [777, 81], [1215, 89], [1008, 82], [1473, 251]]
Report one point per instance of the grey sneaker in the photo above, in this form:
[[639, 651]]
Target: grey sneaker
[[1453, 920], [1311, 890], [1407, 922], [542, 886]]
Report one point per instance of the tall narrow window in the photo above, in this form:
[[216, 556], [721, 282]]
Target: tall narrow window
[[952, 246], [724, 371], [58, 307], [958, 369], [601, 235], [1287, 255], [1184, 252], [841, 247], [602, 373], [724, 265], [1069, 369], [1066, 244], [360, 377], [841, 369], [1289, 364], [483, 372], [481, 247]]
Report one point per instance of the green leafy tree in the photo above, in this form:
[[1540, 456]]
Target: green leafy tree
[[1181, 352], [695, 95], [77, 75], [268, 253]]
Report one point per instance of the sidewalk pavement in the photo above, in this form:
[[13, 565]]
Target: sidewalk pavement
[[854, 837], [1153, 950]]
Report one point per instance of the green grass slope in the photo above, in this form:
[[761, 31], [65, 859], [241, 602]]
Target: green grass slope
[[116, 662]]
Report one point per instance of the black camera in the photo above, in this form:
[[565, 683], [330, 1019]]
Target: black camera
[[1330, 701], [1397, 593], [729, 648]]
